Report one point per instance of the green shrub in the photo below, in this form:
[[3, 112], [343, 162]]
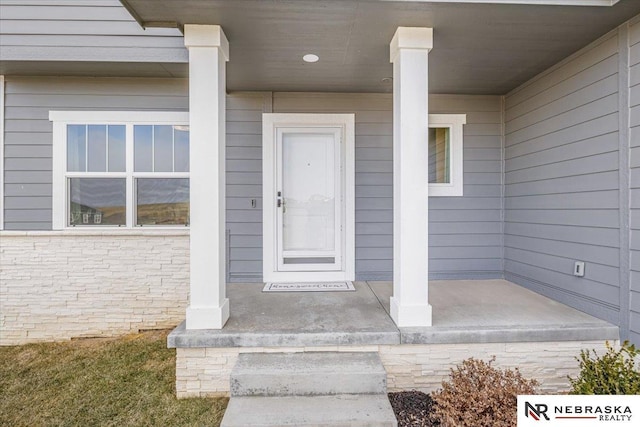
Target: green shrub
[[612, 373], [479, 395]]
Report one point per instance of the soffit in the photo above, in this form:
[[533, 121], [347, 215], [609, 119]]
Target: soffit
[[478, 48]]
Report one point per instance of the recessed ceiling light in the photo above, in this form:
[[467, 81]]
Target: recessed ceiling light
[[310, 57]]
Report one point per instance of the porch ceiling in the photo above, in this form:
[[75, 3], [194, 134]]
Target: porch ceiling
[[478, 48]]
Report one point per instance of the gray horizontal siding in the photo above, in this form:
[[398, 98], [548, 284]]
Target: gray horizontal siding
[[82, 30], [465, 233], [244, 183], [28, 138], [561, 177], [634, 118]]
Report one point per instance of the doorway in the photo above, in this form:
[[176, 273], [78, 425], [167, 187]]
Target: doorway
[[308, 197]]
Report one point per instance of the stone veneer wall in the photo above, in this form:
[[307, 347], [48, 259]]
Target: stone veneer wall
[[58, 285], [206, 371]]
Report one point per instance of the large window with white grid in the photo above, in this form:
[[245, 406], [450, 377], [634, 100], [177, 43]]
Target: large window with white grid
[[120, 169]]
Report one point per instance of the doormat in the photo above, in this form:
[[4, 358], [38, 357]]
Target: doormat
[[309, 287]]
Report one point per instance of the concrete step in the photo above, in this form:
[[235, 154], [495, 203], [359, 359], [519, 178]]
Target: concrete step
[[321, 411], [308, 374]]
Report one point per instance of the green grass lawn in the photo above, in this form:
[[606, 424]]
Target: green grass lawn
[[129, 381]]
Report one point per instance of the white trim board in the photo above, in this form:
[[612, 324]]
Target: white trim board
[[109, 117]]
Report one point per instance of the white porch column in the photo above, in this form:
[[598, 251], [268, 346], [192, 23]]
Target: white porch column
[[409, 51], [208, 54]]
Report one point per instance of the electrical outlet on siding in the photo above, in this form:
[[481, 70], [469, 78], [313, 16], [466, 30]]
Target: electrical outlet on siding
[[578, 269]]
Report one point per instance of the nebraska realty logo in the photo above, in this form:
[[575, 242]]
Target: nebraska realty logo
[[578, 411]]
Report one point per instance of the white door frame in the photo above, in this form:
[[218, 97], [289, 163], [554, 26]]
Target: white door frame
[[271, 122]]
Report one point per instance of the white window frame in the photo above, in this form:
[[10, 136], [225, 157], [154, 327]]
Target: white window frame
[[454, 122], [129, 119]]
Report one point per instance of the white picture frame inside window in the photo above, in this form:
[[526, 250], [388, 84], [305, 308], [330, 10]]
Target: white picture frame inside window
[[62, 215], [455, 159]]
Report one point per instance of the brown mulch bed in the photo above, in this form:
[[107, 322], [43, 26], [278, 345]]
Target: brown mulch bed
[[412, 408]]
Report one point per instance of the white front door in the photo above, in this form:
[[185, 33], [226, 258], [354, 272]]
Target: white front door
[[306, 193], [309, 199]]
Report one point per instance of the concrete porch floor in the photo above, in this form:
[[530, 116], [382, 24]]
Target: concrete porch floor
[[464, 311]]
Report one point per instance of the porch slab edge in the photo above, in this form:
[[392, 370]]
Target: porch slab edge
[[547, 333], [181, 338], [205, 338]]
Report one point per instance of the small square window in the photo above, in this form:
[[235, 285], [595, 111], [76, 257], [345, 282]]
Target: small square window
[[439, 154], [143, 148], [181, 148], [96, 148], [97, 202], [76, 148], [162, 201], [117, 148], [445, 139], [161, 148]]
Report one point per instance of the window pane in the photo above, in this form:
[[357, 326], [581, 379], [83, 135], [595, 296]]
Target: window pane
[[97, 146], [163, 148], [76, 148], [162, 201], [142, 147], [97, 201], [116, 148], [439, 148], [308, 186], [181, 148]]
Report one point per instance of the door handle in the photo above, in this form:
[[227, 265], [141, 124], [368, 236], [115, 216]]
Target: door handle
[[280, 202]]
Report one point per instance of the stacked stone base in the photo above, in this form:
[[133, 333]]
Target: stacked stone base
[[206, 371], [56, 285]]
